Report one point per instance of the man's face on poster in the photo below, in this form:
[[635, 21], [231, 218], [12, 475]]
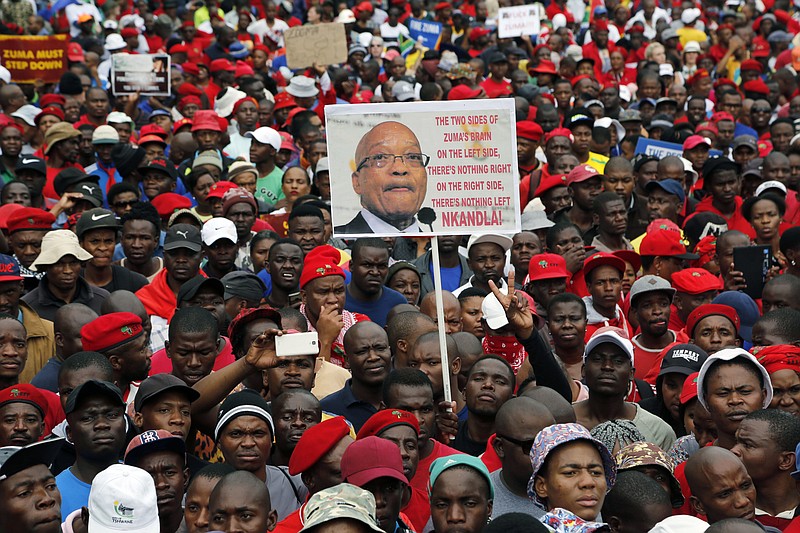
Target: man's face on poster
[[390, 176]]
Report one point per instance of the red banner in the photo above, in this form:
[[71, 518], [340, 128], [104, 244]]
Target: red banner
[[32, 57]]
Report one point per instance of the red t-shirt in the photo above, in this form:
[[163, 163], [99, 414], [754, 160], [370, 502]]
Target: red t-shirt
[[423, 474], [495, 89], [647, 361]]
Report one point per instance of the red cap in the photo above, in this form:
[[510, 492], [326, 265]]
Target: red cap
[[600, 25], [698, 75], [706, 249], [707, 310], [251, 314], [365, 6], [602, 259], [756, 86], [30, 218], [321, 262], [49, 99], [24, 393], [527, 129], [544, 67], [477, 32], [721, 82], [362, 97], [629, 256], [6, 211], [242, 70], [388, 418], [442, 5], [219, 189], [181, 123], [463, 92], [144, 139], [205, 119], [167, 203], [695, 281], [284, 100], [760, 49], [664, 243], [581, 173], [316, 442], [693, 141], [110, 331], [153, 129], [191, 68], [751, 64], [187, 24], [129, 32], [186, 89], [218, 65], [75, 52], [719, 116], [559, 132], [550, 182], [371, 458], [547, 266], [706, 126], [178, 48], [689, 391]]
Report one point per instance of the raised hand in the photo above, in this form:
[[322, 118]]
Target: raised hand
[[516, 307]]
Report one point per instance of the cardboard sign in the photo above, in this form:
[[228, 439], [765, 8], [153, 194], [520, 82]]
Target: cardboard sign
[[518, 20], [30, 58], [425, 32], [423, 168], [146, 74], [661, 149], [323, 44]]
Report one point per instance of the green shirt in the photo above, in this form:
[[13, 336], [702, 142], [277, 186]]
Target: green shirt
[[268, 188]]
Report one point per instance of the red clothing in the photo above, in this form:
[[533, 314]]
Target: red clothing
[[793, 527], [49, 191], [496, 89], [577, 284], [212, 90], [554, 9], [162, 364], [648, 362], [717, 52], [525, 189], [489, 457], [507, 347], [628, 76], [155, 43], [55, 413], [292, 523], [418, 509], [158, 298], [423, 474], [773, 521], [736, 221], [591, 51], [676, 323]]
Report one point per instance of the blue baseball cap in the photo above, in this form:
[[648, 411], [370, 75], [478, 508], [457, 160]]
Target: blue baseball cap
[[669, 186], [745, 307], [9, 269]]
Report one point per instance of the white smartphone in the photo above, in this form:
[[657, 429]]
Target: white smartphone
[[294, 344]]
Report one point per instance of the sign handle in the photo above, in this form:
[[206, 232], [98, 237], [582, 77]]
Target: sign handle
[[437, 287]]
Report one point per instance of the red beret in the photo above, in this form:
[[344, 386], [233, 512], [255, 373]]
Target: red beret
[[167, 203], [756, 86], [477, 32], [242, 70], [53, 111], [321, 262], [695, 281], [221, 64], [187, 24], [178, 48], [463, 92], [707, 310], [24, 393], [129, 32], [388, 418], [110, 331], [50, 99], [316, 442], [187, 89], [191, 68], [698, 75], [190, 99], [527, 129], [558, 132], [706, 249], [752, 64], [30, 218], [550, 182], [600, 25]]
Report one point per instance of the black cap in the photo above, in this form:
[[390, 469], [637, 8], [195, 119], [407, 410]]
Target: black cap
[[183, 236], [190, 288], [580, 116], [126, 158], [69, 177], [95, 219], [91, 192], [717, 163], [683, 359], [15, 459], [162, 164], [497, 57], [93, 387], [702, 224], [244, 285], [155, 385], [29, 162]]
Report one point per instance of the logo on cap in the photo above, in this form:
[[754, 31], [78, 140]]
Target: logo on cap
[[123, 511], [185, 234], [398, 414], [652, 281], [148, 436], [696, 274], [689, 355], [543, 263], [15, 392], [126, 330]]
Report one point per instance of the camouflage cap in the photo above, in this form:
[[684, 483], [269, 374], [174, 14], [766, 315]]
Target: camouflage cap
[[644, 454], [341, 501]]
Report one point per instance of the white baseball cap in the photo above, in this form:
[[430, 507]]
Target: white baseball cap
[[502, 241], [218, 228], [680, 524], [123, 498], [105, 134], [610, 334], [493, 312], [118, 117], [27, 113], [266, 135], [727, 355], [771, 184]]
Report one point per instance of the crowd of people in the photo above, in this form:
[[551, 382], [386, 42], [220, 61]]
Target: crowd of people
[[614, 366]]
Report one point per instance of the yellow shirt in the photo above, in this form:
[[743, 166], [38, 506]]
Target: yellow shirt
[[691, 34], [597, 161]]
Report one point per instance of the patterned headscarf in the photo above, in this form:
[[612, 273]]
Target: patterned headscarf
[[617, 433], [554, 436], [562, 521]]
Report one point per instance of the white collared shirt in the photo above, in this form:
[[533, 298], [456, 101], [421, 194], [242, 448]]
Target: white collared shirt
[[378, 225]]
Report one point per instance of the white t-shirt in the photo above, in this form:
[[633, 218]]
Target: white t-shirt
[[275, 32], [391, 34]]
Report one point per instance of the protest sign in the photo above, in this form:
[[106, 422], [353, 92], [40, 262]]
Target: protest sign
[[518, 20], [323, 44], [661, 149], [425, 168], [32, 57], [146, 74], [425, 32]]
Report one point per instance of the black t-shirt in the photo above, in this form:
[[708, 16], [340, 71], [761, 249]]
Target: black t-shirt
[[123, 279], [465, 444]]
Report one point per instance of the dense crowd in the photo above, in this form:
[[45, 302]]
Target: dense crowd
[[620, 364]]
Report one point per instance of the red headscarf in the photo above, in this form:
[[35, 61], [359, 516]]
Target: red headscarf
[[778, 357]]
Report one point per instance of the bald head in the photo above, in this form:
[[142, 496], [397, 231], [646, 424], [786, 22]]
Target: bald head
[[523, 412], [559, 407], [712, 471], [404, 329], [376, 136], [67, 325], [669, 164], [238, 493], [452, 309], [362, 329]]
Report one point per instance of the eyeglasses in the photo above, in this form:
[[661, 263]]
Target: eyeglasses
[[415, 160], [525, 445]]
